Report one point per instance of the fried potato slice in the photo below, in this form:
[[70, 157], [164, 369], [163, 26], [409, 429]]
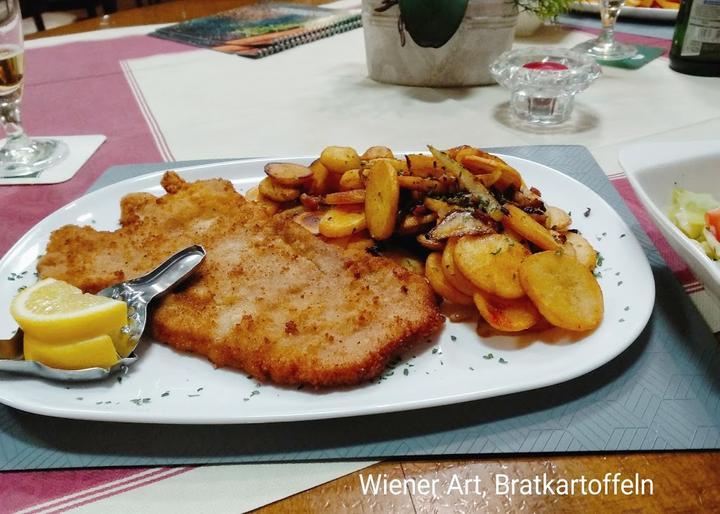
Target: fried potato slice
[[421, 165], [377, 152], [584, 252], [491, 263], [339, 159], [354, 197], [490, 178], [276, 192], [342, 221], [288, 174], [452, 273], [564, 291], [398, 164], [465, 151], [351, 180], [485, 162], [438, 281], [557, 219], [382, 194], [253, 195], [426, 185], [439, 207], [413, 223], [454, 151], [319, 181], [522, 223], [507, 315]]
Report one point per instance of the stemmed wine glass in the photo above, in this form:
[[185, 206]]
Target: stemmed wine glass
[[605, 47], [21, 156]]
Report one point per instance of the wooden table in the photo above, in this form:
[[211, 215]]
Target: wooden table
[[683, 481]]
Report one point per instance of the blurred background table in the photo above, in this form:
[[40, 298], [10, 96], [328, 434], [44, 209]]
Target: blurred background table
[[684, 481]]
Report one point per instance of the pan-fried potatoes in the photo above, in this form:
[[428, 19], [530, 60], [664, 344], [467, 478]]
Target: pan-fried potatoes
[[353, 197], [451, 271], [382, 194], [522, 223], [506, 315], [491, 263], [582, 250], [464, 218], [351, 180], [342, 221], [377, 152], [288, 174], [339, 159], [557, 219], [277, 192], [564, 291], [439, 282], [319, 180]]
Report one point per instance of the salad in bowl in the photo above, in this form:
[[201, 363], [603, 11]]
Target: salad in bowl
[[698, 216]]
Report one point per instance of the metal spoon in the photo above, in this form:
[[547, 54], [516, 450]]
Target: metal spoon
[[137, 293]]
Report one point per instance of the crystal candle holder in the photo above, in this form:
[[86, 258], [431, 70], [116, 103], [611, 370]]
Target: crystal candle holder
[[544, 81]]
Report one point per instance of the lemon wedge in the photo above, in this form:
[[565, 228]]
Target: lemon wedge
[[55, 312], [94, 352]]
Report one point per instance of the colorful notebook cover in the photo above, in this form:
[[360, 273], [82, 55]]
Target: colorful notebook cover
[[263, 29]]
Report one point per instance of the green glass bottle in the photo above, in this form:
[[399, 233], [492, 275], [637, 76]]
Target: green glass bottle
[[696, 44]]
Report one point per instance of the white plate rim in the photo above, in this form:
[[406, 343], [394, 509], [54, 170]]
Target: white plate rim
[[586, 367]]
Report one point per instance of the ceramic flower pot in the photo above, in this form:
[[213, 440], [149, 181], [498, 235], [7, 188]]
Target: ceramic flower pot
[[486, 31]]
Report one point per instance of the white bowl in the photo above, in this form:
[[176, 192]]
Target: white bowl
[[654, 170]]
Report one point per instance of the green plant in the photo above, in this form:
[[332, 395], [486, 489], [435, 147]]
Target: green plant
[[431, 23]]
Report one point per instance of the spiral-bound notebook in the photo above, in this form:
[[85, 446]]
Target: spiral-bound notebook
[[262, 29]]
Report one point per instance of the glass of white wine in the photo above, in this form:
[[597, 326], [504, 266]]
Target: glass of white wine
[[21, 156], [605, 47]]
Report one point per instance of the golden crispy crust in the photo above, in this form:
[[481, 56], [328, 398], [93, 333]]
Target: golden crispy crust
[[270, 299]]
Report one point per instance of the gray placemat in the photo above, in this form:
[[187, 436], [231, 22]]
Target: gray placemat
[[662, 393]]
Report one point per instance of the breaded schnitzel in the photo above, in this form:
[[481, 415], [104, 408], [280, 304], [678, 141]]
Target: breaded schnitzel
[[270, 299]]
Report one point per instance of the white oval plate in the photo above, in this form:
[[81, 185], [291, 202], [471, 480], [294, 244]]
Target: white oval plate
[[644, 13], [166, 386]]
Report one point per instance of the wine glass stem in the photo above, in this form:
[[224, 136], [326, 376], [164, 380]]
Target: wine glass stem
[[609, 13], [10, 119]]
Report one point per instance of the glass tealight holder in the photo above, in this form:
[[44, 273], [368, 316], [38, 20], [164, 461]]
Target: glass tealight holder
[[543, 82]]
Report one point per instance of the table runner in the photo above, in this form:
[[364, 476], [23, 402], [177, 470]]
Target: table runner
[[74, 89], [662, 393]]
